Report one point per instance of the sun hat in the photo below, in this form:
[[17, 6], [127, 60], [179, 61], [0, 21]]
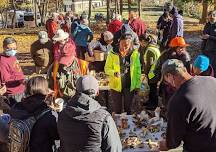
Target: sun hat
[[178, 42], [201, 62], [60, 35], [43, 37]]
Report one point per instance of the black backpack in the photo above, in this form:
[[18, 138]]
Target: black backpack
[[20, 131]]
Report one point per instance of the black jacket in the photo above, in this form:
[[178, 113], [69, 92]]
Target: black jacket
[[84, 126], [209, 44], [44, 132]]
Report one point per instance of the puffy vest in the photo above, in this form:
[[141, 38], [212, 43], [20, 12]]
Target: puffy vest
[[155, 50], [113, 65], [84, 133]]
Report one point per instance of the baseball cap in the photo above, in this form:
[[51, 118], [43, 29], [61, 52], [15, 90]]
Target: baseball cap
[[43, 37], [86, 83], [201, 62], [172, 65]]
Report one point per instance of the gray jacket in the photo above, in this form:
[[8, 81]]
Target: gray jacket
[[84, 126]]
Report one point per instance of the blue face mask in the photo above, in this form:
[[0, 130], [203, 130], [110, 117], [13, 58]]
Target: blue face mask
[[10, 52]]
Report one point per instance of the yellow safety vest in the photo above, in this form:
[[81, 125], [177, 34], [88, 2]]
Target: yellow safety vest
[[155, 50]]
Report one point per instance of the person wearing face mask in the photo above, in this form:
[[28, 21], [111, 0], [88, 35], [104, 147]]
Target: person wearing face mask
[[124, 70], [42, 53], [11, 73], [65, 70], [191, 111], [209, 39], [177, 50]]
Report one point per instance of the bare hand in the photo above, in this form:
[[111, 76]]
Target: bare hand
[[3, 89], [163, 145], [205, 36]]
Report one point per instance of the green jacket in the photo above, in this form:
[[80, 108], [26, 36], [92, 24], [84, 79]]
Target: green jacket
[[113, 65]]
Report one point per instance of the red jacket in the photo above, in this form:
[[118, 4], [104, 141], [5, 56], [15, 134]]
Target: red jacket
[[51, 27], [138, 26], [114, 26], [12, 75], [66, 54]]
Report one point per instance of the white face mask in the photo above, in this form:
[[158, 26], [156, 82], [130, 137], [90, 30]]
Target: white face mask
[[10, 52]]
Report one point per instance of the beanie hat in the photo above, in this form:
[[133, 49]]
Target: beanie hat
[[201, 62], [87, 83]]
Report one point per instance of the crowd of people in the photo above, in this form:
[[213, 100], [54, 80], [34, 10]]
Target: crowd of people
[[32, 119]]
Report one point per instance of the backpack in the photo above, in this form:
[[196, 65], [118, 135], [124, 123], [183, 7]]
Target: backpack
[[20, 131]]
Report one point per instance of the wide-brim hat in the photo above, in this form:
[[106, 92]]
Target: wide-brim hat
[[60, 35]]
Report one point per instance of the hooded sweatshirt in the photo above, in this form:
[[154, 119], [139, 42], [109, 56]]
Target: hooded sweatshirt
[[82, 34], [84, 126], [177, 25], [44, 132], [126, 30]]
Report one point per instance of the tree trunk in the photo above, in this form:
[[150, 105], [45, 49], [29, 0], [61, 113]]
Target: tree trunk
[[57, 5], [118, 9], [6, 19], [115, 6], [90, 10], [35, 11], [214, 4], [14, 15], [47, 8], [204, 12], [139, 8], [42, 14], [129, 5], [121, 7], [3, 19], [108, 12]]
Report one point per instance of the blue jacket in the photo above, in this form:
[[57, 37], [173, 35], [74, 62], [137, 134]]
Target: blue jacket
[[177, 25], [82, 34]]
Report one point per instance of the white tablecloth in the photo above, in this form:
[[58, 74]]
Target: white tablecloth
[[154, 137]]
